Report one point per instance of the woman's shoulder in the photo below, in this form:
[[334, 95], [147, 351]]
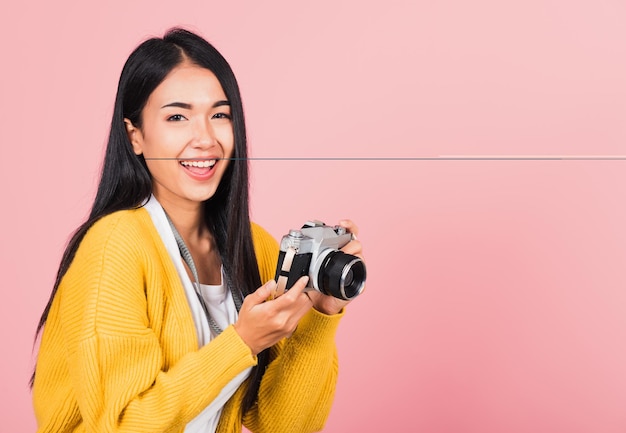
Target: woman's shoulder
[[126, 219], [266, 250], [121, 227], [261, 237]]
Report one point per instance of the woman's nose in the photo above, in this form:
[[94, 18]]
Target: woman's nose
[[204, 136]]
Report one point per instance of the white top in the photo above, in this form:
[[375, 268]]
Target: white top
[[221, 307]]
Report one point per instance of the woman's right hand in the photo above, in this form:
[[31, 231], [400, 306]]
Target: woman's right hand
[[262, 322]]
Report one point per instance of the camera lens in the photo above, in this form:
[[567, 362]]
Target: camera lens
[[341, 275], [349, 278]]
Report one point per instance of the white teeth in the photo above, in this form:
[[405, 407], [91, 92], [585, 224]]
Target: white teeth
[[200, 164]]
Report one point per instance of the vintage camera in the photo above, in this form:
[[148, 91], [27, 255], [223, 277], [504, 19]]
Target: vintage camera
[[313, 250]]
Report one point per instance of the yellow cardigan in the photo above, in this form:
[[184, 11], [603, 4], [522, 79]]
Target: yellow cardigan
[[119, 351]]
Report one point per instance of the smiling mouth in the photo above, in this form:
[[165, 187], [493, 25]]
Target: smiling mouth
[[207, 163]]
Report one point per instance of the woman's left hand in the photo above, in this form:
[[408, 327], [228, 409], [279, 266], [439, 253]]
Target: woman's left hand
[[329, 304]]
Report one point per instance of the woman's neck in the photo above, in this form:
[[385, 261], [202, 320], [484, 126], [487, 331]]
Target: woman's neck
[[187, 218]]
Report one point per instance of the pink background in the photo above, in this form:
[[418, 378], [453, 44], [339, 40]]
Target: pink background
[[496, 297]]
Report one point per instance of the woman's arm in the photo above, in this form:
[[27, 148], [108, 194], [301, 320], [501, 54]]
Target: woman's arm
[[125, 351], [298, 387]]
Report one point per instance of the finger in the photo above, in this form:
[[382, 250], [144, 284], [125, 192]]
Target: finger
[[302, 305], [349, 226], [306, 306], [353, 247], [297, 289], [261, 294]]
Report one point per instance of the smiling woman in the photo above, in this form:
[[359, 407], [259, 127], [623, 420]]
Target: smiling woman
[[186, 135], [158, 321]]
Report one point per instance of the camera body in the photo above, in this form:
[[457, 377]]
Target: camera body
[[314, 250]]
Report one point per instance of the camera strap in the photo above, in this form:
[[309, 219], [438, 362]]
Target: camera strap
[[186, 256], [283, 275]]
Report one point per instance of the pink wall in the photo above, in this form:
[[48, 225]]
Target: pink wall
[[496, 299]]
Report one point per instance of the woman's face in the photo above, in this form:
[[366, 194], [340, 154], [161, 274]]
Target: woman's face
[[186, 133]]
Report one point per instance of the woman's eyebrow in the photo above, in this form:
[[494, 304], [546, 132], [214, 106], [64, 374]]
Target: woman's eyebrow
[[179, 105], [187, 106]]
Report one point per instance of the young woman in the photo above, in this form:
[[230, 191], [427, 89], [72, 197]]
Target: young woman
[[158, 321]]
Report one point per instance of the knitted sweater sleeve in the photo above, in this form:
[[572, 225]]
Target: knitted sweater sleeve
[[298, 387], [130, 359]]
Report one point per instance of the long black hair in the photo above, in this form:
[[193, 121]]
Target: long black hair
[[125, 181]]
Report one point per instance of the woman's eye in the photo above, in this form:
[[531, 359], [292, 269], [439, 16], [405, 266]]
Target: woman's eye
[[221, 116], [176, 118]]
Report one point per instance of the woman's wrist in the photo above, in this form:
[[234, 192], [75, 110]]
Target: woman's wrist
[[328, 311]]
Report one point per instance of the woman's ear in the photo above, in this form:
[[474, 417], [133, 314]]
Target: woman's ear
[[134, 136]]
